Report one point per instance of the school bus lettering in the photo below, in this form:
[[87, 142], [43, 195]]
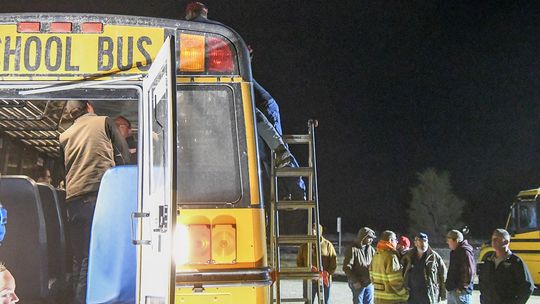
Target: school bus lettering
[[8, 51], [119, 49], [144, 66], [53, 44], [107, 51]]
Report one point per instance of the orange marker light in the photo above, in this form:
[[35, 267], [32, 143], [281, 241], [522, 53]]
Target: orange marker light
[[224, 244], [92, 27], [199, 244], [28, 27], [192, 53], [61, 27]]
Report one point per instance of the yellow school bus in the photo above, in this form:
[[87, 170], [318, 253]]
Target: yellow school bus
[[186, 88], [522, 224]]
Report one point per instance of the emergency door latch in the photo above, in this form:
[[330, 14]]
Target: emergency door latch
[[163, 219], [134, 217]]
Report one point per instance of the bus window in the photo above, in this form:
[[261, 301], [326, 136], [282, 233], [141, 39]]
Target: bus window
[[207, 146], [527, 216]]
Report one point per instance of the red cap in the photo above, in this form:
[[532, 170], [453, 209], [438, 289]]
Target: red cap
[[404, 241]]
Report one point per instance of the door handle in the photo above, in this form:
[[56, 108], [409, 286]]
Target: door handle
[[134, 217]]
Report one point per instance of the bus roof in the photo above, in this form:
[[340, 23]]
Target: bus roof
[[528, 195]]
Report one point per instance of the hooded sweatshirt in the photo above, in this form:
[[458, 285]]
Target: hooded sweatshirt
[[358, 258], [461, 269]]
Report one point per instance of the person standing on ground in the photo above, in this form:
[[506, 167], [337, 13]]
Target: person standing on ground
[[461, 270], [403, 246], [504, 278], [90, 146], [386, 272], [424, 273], [329, 263], [358, 258]]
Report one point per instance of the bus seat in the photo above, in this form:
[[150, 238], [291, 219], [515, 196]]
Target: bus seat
[[61, 195], [56, 240], [24, 250], [112, 265]]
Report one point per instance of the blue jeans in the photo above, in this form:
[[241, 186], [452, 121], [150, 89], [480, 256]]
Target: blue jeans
[[363, 295], [458, 297]]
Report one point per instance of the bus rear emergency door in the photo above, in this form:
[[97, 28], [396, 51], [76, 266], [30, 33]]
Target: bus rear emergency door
[[157, 180]]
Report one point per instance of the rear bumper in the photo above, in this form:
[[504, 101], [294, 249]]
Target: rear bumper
[[257, 277]]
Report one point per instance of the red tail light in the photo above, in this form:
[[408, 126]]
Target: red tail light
[[220, 55]]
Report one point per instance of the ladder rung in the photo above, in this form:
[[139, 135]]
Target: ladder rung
[[305, 275], [296, 239], [294, 172], [292, 205], [292, 300], [297, 139]]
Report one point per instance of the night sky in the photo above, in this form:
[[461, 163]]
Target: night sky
[[397, 87]]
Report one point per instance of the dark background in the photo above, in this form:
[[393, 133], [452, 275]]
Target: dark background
[[397, 86]]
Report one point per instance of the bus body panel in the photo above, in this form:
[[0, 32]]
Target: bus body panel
[[127, 45]]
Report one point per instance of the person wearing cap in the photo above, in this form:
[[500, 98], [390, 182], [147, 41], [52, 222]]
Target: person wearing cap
[[329, 263], [356, 264], [503, 276], [89, 147], [386, 272], [403, 245], [424, 273], [461, 269]]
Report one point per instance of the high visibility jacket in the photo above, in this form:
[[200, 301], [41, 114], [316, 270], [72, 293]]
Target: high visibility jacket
[[387, 278]]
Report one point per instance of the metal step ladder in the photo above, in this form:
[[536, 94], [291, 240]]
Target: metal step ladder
[[311, 206]]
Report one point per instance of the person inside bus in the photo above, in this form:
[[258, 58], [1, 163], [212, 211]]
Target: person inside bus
[[124, 126], [7, 286], [44, 176], [90, 146]]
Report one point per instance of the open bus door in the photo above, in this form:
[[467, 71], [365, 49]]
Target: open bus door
[[157, 181]]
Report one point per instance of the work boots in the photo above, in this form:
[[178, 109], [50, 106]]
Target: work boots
[[283, 157]]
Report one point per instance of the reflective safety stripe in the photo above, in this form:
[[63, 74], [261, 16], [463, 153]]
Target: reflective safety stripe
[[386, 277], [389, 296]]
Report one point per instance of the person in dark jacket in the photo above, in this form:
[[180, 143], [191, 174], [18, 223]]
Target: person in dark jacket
[[504, 277], [424, 273], [90, 147], [356, 264], [461, 270]]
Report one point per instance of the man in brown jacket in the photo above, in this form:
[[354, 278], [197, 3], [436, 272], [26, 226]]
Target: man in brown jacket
[[356, 266], [90, 146], [329, 262]]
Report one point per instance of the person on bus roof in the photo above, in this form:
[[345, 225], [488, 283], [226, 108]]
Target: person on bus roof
[[124, 126], [90, 146], [198, 12]]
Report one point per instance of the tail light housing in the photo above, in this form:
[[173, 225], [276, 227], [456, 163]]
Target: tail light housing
[[206, 54], [224, 244]]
